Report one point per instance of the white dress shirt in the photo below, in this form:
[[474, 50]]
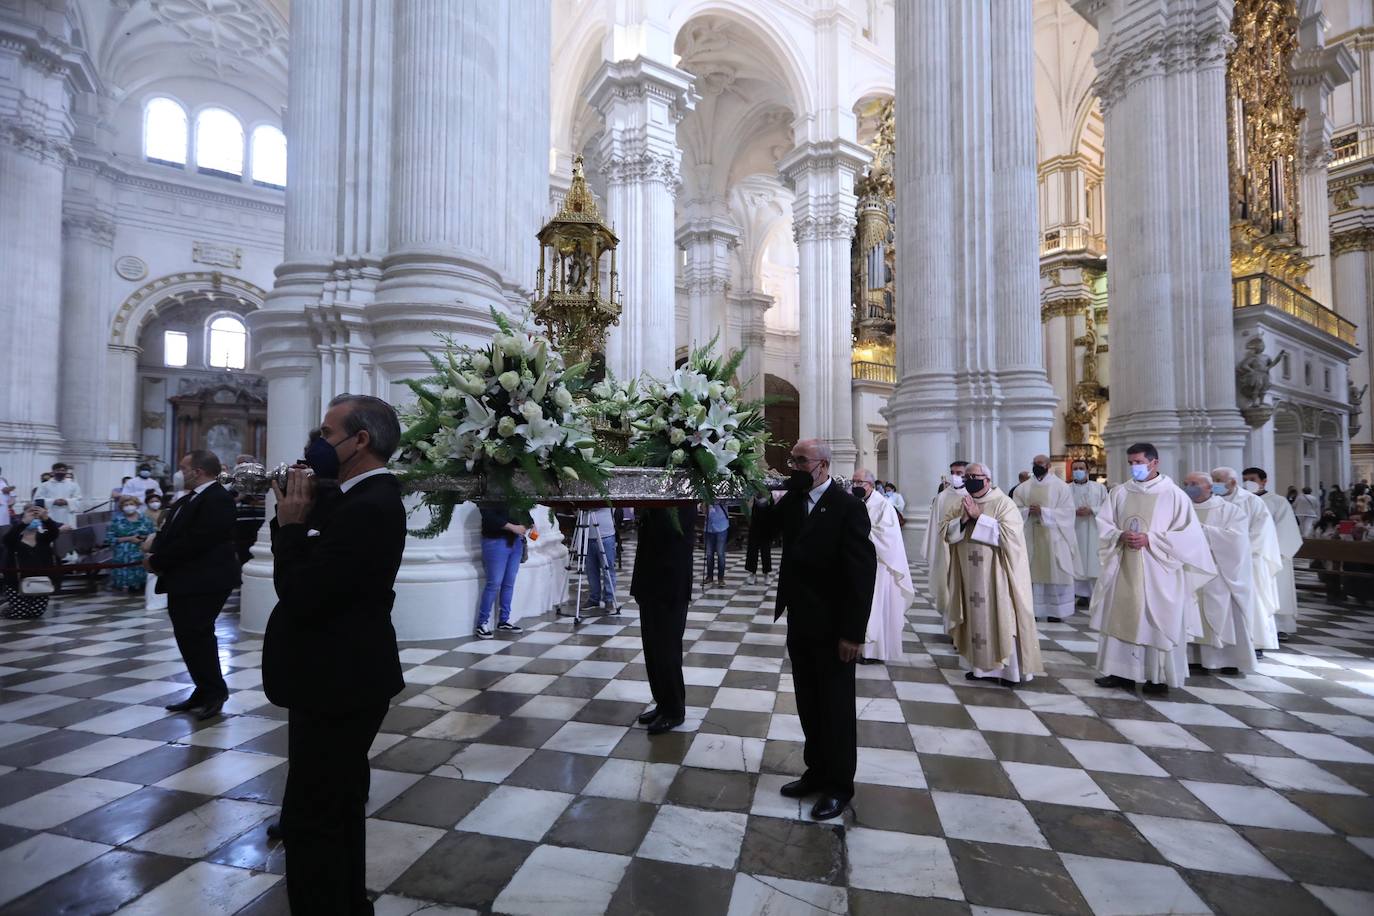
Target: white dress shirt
[[352, 482], [815, 495]]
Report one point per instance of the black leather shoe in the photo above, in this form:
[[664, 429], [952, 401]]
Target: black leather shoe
[[829, 806], [1232, 672], [1111, 680], [209, 710], [1154, 689], [1283, 637], [647, 717], [274, 831], [799, 788], [1054, 619], [190, 702], [665, 724]]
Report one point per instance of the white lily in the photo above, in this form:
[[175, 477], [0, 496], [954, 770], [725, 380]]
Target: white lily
[[480, 418], [689, 383], [720, 453], [718, 419], [541, 435]]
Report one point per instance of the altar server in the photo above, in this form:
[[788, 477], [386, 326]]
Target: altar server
[[1223, 601], [1265, 557], [1047, 507], [1290, 542], [893, 591], [1088, 497]]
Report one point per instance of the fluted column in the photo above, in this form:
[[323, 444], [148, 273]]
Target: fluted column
[[1161, 81], [35, 147], [751, 307], [642, 101], [709, 244], [822, 176], [921, 412]]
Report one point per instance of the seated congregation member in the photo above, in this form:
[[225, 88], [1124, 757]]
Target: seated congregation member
[[1154, 559], [1223, 601], [893, 591], [825, 587], [330, 654], [503, 546], [662, 586], [991, 616]]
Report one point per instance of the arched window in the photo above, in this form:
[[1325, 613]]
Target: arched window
[[228, 345], [269, 156], [219, 142], [164, 132]]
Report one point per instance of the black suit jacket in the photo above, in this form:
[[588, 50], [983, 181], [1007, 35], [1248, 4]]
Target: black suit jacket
[[663, 559], [828, 567], [194, 552], [330, 643]]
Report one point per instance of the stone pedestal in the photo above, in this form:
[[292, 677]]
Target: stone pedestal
[[822, 175], [642, 101]]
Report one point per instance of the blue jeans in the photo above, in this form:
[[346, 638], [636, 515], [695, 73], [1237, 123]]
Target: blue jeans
[[597, 577], [715, 546], [501, 562]]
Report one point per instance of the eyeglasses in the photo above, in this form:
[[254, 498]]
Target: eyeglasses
[[800, 461]]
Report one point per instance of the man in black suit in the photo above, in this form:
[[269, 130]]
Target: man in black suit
[[662, 586], [330, 653], [825, 585], [193, 556]]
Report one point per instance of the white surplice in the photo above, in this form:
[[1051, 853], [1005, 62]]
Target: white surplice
[[1268, 564], [1090, 495], [934, 551], [1290, 542], [1145, 602], [1051, 544], [1224, 600], [893, 591]]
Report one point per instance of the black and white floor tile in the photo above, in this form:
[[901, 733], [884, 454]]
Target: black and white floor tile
[[509, 777]]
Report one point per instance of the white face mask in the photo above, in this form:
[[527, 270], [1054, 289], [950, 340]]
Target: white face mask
[[131, 510], [154, 506], [956, 481], [1251, 486]]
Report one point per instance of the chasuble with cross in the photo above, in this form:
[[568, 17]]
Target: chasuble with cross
[[990, 614]]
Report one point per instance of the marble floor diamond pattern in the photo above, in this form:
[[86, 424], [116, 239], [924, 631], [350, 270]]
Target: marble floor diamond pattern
[[510, 777]]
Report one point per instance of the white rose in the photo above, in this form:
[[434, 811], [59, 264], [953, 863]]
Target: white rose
[[732, 446], [715, 389], [601, 390], [506, 427], [531, 412], [730, 391], [514, 345], [563, 398], [675, 436], [480, 362], [509, 380], [677, 457]]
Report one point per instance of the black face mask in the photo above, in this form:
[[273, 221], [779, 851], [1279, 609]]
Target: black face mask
[[799, 481], [974, 485], [323, 458], [859, 492], [1039, 470]]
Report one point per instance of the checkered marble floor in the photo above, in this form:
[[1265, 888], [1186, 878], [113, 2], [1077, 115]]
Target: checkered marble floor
[[509, 778]]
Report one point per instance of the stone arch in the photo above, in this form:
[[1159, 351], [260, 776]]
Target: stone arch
[[787, 54], [143, 303]]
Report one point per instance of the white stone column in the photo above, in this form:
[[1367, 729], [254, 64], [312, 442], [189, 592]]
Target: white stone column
[[642, 101], [35, 147], [1161, 81], [921, 412], [709, 244], [122, 394], [751, 308], [822, 175], [1352, 253]]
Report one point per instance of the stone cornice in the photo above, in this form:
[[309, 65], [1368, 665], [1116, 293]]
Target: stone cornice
[[33, 138], [642, 80], [177, 189]]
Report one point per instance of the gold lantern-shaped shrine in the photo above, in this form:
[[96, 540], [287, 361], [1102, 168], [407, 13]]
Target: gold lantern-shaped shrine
[[575, 300]]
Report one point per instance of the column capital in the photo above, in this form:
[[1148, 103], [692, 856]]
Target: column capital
[[834, 156], [641, 101], [642, 81], [821, 175]]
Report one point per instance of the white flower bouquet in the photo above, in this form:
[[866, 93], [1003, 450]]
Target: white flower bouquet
[[494, 410]]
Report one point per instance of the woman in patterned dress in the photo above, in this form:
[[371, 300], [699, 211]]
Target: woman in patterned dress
[[28, 545], [126, 534]]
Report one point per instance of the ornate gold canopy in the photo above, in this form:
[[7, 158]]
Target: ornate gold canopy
[[575, 300]]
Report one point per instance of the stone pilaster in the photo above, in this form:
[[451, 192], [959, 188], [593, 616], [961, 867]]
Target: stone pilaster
[[750, 308], [822, 175], [709, 244], [1162, 85], [642, 101]]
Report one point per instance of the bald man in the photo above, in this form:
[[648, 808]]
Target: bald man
[[1224, 643], [1265, 557]]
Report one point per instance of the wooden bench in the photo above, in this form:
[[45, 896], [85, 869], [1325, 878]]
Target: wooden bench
[[1335, 554]]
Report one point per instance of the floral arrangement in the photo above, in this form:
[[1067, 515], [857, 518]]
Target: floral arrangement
[[696, 422], [508, 406]]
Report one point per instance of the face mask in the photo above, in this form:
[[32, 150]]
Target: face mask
[[1039, 470], [1251, 486], [178, 481], [154, 506], [59, 476], [323, 458], [35, 525], [956, 481], [145, 474], [1193, 490], [860, 492], [1140, 472], [1080, 475], [130, 510], [799, 481], [1218, 489], [975, 485]]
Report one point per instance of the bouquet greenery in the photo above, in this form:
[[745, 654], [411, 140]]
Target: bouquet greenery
[[508, 406]]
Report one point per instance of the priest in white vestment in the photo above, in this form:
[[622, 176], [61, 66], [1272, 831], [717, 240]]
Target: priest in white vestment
[[1308, 510], [1264, 555], [1047, 507], [1290, 542], [1088, 497], [893, 591], [951, 493], [1154, 558], [61, 495], [1224, 601], [991, 614]]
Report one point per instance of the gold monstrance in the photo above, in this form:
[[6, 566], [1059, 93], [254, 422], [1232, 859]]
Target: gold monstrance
[[578, 304]]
